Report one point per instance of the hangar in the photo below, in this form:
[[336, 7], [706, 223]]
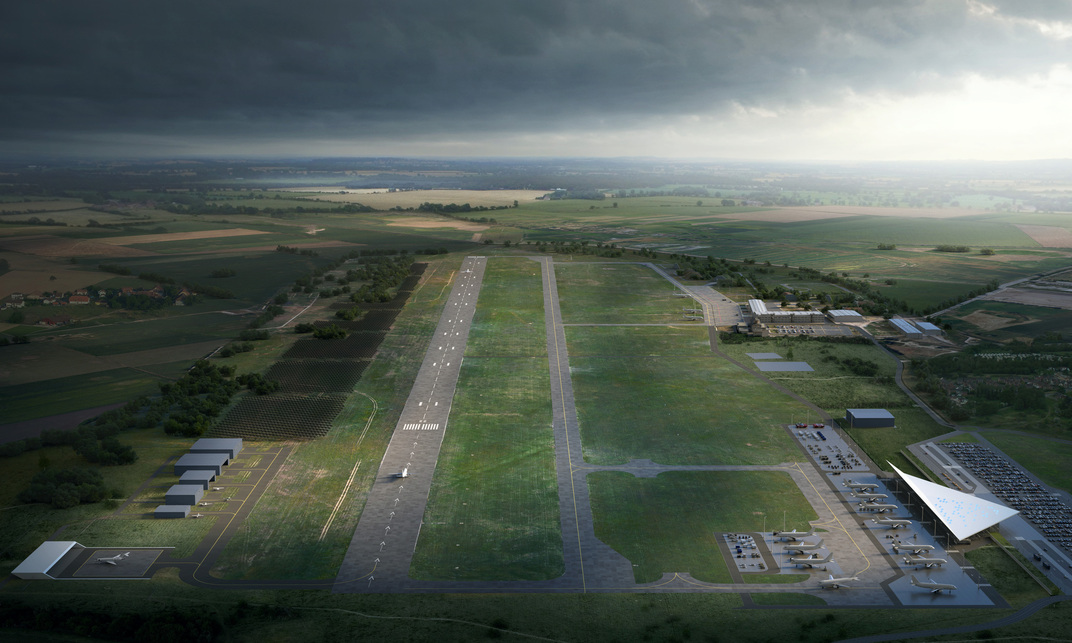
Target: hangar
[[47, 556], [201, 461], [171, 511], [231, 446], [868, 418], [200, 477], [184, 494]]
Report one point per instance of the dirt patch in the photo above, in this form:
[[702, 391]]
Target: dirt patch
[[1033, 297], [987, 321], [436, 222], [300, 246], [47, 246], [383, 200], [1048, 236], [178, 236]]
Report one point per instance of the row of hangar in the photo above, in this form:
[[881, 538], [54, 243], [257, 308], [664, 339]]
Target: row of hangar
[[197, 469]]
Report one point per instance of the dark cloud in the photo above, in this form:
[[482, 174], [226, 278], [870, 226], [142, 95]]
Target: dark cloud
[[247, 69]]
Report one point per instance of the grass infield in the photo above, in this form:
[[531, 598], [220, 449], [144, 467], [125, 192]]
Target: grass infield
[[493, 509], [643, 399], [671, 523]]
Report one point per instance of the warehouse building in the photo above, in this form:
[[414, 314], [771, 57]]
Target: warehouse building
[[906, 327], [868, 418], [929, 329], [844, 315]]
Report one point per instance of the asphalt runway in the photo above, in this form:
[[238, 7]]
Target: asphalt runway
[[380, 552]]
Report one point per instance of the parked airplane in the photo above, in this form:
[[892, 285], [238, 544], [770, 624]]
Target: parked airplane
[[861, 486], [924, 561], [869, 496], [892, 523], [936, 588], [792, 535], [877, 507], [812, 561], [912, 547], [803, 547], [113, 560], [835, 583], [197, 515]]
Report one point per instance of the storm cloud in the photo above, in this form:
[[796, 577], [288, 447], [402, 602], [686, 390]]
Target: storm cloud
[[248, 72]]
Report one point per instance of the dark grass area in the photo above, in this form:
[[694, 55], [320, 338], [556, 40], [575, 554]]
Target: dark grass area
[[310, 376], [66, 394], [280, 416]]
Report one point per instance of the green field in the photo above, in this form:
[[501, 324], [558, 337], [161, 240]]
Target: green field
[[493, 510], [672, 523], [612, 293], [831, 385], [149, 333], [670, 407], [1015, 585], [509, 320], [66, 394], [1008, 322]]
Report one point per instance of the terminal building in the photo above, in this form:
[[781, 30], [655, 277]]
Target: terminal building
[[955, 515], [761, 315]]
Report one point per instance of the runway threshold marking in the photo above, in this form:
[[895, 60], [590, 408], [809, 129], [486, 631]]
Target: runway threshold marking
[[552, 295]]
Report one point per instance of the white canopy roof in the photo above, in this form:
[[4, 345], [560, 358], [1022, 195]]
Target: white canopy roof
[[962, 513]]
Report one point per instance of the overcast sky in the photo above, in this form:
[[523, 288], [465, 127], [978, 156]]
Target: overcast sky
[[748, 79]]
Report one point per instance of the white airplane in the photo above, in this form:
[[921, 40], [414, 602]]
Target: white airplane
[[217, 488], [892, 523], [803, 547], [835, 583], [812, 561], [877, 507], [113, 560], [936, 588], [861, 486], [404, 474], [912, 547], [198, 516], [924, 561], [792, 535], [869, 496]]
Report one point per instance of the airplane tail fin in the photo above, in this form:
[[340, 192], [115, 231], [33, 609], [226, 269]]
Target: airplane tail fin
[[914, 581]]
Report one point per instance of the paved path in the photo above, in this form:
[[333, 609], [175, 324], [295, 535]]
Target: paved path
[[380, 552], [588, 560]]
